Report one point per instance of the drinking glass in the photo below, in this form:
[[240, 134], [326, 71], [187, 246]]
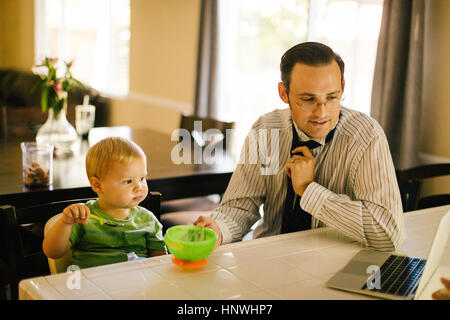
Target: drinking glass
[[84, 119], [37, 164]]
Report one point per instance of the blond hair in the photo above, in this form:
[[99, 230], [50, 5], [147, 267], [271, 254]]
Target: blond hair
[[106, 152]]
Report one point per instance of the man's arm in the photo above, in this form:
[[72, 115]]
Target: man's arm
[[239, 208], [246, 191]]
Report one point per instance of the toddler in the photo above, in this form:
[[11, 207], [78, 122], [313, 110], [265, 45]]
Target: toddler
[[117, 170]]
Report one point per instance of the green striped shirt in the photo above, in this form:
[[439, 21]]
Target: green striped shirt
[[94, 244]]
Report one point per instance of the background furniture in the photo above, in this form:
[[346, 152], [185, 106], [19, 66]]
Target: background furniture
[[185, 211], [21, 236], [60, 264], [20, 109], [410, 183], [188, 123], [174, 181], [288, 266]]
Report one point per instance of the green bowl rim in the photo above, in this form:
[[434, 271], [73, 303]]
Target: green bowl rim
[[208, 230]]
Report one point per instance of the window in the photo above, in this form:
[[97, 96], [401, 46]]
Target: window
[[254, 34], [351, 28], [95, 34]]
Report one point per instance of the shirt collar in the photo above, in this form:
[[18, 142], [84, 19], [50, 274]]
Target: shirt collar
[[302, 136]]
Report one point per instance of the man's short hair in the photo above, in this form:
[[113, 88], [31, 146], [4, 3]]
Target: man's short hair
[[309, 53], [108, 151]]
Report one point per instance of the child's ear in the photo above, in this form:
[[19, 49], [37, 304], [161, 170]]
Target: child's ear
[[95, 184]]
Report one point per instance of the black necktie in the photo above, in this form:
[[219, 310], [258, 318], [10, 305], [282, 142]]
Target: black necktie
[[294, 217]]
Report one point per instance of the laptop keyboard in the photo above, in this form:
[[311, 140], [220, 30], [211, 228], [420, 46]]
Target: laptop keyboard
[[400, 275]]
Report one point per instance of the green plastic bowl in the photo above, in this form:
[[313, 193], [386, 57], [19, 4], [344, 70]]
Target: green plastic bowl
[[189, 242]]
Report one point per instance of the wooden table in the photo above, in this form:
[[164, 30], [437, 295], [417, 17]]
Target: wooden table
[[288, 266], [173, 180]]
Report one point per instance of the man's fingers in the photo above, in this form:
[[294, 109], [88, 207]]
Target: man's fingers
[[303, 149], [446, 282], [208, 222], [288, 169], [200, 221], [439, 295], [443, 294], [290, 163]]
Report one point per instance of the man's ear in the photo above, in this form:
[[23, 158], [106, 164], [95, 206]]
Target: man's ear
[[95, 184], [283, 92]]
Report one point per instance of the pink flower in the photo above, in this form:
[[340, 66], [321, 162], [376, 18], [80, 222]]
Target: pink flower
[[57, 86]]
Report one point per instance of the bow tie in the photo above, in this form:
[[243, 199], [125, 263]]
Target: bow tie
[[294, 217], [311, 144]]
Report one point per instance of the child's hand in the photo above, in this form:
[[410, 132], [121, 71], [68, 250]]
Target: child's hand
[[76, 213]]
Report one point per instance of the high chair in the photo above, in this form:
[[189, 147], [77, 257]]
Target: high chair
[[57, 265], [21, 235], [152, 203]]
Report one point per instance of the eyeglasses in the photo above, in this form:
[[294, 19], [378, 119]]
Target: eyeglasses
[[311, 103]]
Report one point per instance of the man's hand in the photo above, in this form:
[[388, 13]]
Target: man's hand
[[443, 294], [209, 222], [301, 169], [76, 213]]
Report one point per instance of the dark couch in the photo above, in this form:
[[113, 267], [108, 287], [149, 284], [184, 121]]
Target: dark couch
[[20, 110]]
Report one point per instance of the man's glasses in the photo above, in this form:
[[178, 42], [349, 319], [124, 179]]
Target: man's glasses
[[311, 103]]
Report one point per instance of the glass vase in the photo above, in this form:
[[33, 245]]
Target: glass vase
[[58, 131]]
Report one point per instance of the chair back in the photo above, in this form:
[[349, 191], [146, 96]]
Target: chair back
[[22, 233], [410, 182], [57, 265], [188, 123]]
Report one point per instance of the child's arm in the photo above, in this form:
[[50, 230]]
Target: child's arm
[[57, 240]]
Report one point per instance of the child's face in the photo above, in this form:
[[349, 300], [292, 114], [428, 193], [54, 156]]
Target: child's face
[[124, 185]]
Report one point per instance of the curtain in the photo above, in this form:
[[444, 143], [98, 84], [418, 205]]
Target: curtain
[[397, 84], [206, 85]]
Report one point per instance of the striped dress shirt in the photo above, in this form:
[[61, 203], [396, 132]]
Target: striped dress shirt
[[355, 189]]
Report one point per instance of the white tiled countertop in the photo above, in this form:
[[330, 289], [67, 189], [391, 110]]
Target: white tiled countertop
[[288, 266]]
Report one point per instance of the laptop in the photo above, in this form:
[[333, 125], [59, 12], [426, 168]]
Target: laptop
[[393, 276]]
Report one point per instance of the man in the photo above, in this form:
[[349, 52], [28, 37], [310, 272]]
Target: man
[[344, 178]]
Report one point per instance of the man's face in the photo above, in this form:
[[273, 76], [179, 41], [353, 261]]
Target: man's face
[[314, 97]]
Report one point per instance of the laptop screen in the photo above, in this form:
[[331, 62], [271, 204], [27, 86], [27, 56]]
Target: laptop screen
[[438, 263]]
